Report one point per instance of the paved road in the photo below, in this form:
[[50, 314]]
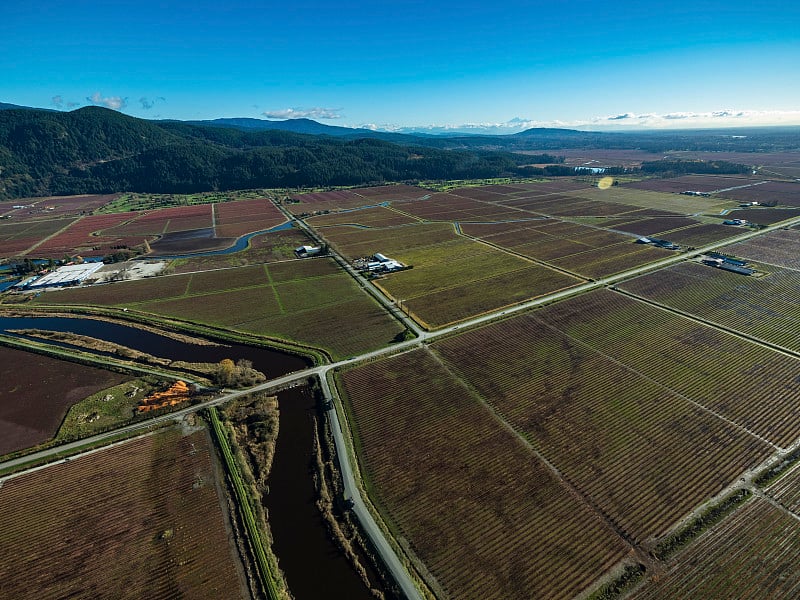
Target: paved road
[[359, 507]]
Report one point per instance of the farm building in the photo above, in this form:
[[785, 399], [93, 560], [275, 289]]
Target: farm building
[[383, 263], [304, 251], [67, 275], [734, 269], [735, 222]]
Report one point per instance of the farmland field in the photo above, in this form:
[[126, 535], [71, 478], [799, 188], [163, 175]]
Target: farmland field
[[18, 236], [37, 391], [662, 201], [139, 520], [693, 183], [315, 202], [775, 248], [783, 192], [239, 217], [754, 553], [485, 515], [622, 437], [453, 277], [264, 248], [718, 371], [306, 301], [764, 307]]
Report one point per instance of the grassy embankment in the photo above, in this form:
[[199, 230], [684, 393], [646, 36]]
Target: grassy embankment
[[245, 503]]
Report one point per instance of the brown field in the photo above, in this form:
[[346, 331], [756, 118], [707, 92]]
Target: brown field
[[315, 202], [37, 391], [764, 216], [139, 520], [165, 220], [700, 235], [264, 248], [764, 307], [655, 225], [784, 192], [718, 371], [643, 453], [55, 207], [776, 248], [484, 514], [237, 218], [18, 236], [378, 216], [86, 236], [754, 553], [693, 183]]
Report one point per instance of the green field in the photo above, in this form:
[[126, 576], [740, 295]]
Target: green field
[[310, 302]]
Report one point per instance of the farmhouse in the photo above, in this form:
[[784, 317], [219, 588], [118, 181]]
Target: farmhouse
[[67, 275], [378, 263]]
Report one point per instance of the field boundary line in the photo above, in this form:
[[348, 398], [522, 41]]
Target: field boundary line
[[274, 289]]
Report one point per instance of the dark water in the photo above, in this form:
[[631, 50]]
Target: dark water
[[314, 567], [270, 362]]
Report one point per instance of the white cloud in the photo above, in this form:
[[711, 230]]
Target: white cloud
[[57, 101], [618, 121], [304, 113], [113, 102]]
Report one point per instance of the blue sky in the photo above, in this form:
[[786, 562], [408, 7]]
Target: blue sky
[[411, 63]]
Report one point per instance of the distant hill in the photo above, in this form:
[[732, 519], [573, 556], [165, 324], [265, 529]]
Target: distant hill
[[97, 150], [307, 126]]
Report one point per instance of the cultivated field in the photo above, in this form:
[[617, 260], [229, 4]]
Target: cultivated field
[[317, 202], [237, 218], [783, 192], [691, 183], [139, 520], [311, 302], [764, 307], [754, 553], [775, 248], [37, 391], [453, 277], [644, 452], [474, 502]]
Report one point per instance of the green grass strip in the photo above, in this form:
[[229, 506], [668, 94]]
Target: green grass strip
[[243, 500], [773, 473], [618, 587], [707, 519]]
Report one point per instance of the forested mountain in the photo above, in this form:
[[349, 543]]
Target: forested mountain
[[96, 150]]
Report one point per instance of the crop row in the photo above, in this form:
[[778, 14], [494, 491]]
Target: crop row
[[754, 553], [775, 248], [765, 307], [719, 371], [485, 515], [643, 453], [141, 519]]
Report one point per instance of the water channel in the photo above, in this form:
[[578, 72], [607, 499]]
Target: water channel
[[313, 564]]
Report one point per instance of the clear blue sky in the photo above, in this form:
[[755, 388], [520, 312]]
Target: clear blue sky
[[407, 63]]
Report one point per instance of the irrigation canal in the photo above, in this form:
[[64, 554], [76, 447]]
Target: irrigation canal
[[300, 536]]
